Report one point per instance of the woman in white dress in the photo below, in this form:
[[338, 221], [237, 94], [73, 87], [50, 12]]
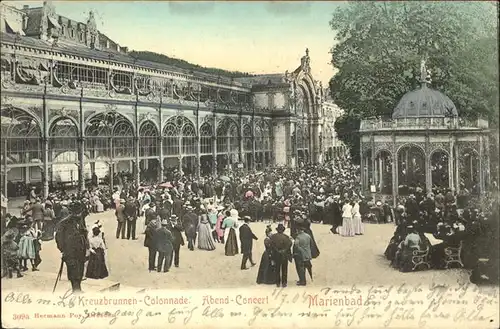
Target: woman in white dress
[[356, 219], [347, 228]]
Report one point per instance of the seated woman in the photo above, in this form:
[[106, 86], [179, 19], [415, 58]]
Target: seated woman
[[399, 235], [413, 241]]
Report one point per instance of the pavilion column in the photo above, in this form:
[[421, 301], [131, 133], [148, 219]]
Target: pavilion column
[[180, 158], [457, 166], [395, 182], [381, 166], [451, 173], [5, 168], [481, 164]]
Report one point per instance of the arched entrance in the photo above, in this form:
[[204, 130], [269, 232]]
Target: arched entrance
[[21, 150], [440, 170], [383, 163], [469, 170], [149, 148], [411, 169]]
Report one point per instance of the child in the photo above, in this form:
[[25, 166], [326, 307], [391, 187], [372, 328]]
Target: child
[[9, 254], [29, 247]]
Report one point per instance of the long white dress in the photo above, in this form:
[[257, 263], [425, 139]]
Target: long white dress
[[347, 228], [356, 219]]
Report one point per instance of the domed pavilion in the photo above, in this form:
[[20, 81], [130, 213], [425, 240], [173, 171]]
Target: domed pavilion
[[425, 146]]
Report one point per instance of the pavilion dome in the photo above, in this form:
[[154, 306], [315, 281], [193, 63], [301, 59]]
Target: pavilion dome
[[424, 102]]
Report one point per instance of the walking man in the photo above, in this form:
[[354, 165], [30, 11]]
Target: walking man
[[150, 242], [176, 230], [281, 255], [190, 223], [72, 241], [246, 239], [131, 215], [164, 247], [120, 219], [302, 254]]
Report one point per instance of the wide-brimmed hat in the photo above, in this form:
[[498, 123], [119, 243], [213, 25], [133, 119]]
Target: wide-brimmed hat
[[246, 218], [122, 200], [281, 228], [173, 216], [164, 222]]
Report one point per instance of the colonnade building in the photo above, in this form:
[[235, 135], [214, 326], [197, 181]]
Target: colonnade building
[[75, 103]]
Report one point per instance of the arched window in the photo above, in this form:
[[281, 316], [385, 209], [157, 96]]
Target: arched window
[[206, 138], [148, 140]]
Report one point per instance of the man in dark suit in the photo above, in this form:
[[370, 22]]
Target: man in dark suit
[[164, 246], [246, 239], [176, 229], [150, 241], [190, 224], [131, 215], [72, 241], [281, 255]]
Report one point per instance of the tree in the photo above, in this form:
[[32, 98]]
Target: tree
[[380, 46]]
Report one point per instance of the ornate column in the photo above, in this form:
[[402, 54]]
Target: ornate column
[[428, 175], [198, 137], [373, 173], [451, 161], [81, 146], [481, 164], [456, 164], [137, 168], [160, 124], [136, 139], [5, 168], [111, 166], [394, 170], [81, 163], [45, 145], [180, 162], [214, 145]]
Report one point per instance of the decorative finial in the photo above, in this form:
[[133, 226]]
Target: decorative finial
[[425, 74]]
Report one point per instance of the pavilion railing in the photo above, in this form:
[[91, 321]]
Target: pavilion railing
[[422, 123]]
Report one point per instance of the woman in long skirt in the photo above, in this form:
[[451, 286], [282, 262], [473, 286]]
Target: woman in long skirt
[[48, 222], [347, 228], [205, 240], [218, 226], [96, 268], [356, 219], [230, 225], [267, 268]]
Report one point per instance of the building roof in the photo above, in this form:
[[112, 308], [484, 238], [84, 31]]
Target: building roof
[[263, 79], [424, 102], [106, 54]]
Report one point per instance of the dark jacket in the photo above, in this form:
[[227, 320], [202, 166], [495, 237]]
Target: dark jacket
[[178, 239], [190, 223], [280, 246], [150, 234], [72, 238], [120, 213], [246, 239], [164, 240]]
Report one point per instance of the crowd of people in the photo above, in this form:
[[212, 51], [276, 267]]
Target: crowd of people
[[219, 210], [440, 230]]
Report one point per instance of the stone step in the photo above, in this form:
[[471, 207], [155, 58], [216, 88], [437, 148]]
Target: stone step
[[44, 281]]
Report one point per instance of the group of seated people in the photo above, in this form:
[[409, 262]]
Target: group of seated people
[[444, 238]]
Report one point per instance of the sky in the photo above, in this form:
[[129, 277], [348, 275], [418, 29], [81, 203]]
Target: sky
[[254, 37]]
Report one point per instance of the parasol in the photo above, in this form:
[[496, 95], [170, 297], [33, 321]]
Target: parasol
[[225, 178], [165, 185], [249, 194]]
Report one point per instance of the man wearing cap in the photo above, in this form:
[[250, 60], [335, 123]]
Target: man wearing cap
[[190, 224], [302, 254], [246, 240], [72, 241], [281, 255], [164, 246]]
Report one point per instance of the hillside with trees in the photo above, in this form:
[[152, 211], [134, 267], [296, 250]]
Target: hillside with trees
[[182, 64]]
